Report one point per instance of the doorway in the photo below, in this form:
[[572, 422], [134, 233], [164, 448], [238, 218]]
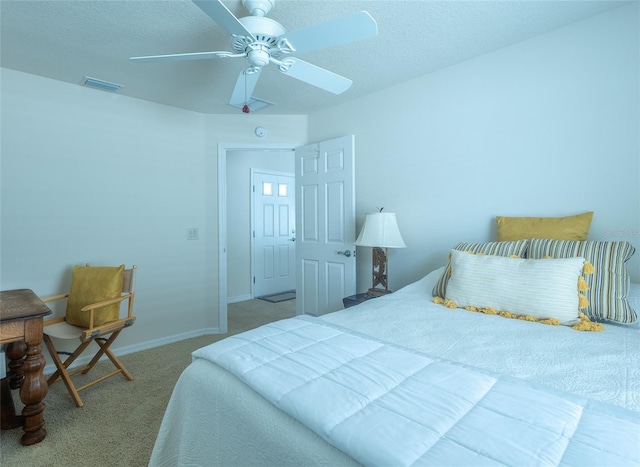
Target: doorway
[[327, 163], [227, 211]]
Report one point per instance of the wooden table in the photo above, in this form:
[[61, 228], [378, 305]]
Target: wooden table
[[21, 313]]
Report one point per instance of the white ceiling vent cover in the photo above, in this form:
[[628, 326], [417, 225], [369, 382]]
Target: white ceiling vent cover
[[100, 84]]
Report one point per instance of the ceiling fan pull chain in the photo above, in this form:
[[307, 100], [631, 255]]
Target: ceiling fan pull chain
[[245, 107]]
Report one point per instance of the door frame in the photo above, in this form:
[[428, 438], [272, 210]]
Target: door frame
[[223, 150], [253, 219]]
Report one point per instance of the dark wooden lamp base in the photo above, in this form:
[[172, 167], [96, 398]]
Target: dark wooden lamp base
[[378, 292]]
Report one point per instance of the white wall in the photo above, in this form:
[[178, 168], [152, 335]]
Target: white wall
[[239, 165], [546, 127], [89, 176], [93, 177]]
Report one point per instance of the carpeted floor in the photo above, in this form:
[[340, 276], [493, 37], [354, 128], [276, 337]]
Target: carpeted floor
[[120, 419]]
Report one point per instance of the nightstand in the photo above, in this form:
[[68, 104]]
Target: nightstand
[[356, 299]]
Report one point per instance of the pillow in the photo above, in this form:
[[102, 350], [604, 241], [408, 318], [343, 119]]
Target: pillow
[[543, 289], [609, 285], [634, 297], [558, 228], [91, 285], [517, 248]]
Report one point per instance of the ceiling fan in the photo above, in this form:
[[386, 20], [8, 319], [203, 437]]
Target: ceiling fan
[[262, 40]]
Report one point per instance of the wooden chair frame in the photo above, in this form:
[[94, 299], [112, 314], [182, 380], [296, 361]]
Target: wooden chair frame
[[91, 334]]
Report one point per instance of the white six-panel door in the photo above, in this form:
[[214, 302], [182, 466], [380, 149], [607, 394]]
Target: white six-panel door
[[325, 225], [273, 232]]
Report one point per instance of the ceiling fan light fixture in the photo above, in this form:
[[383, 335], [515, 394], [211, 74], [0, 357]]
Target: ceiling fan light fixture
[[100, 84], [264, 30], [258, 57]]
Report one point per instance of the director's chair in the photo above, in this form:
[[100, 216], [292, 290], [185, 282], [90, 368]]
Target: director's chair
[[92, 315]]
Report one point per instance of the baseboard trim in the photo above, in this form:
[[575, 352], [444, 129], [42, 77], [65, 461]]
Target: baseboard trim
[[128, 349]]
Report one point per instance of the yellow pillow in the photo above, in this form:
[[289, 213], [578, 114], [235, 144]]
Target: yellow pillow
[[91, 285], [556, 228]]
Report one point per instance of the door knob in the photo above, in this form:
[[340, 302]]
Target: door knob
[[347, 253], [292, 239]]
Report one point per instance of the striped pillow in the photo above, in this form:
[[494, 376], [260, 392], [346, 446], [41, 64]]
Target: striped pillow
[[608, 285], [517, 248], [543, 288]]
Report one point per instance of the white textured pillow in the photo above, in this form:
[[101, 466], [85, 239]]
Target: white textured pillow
[[517, 248], [542, 288]]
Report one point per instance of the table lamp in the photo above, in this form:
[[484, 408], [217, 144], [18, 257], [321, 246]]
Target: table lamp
[[380, 231]]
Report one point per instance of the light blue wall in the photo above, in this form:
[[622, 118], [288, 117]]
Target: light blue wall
[[93, 177], [88, 176], [546, 127]]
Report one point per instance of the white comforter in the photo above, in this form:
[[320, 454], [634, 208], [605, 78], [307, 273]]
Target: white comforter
[[604, 366], [215, 419], [386, 405]]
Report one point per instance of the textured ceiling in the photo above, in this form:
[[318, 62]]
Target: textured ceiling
[[66, 40]]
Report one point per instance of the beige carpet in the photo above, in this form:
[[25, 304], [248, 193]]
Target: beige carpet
[[120, 419]]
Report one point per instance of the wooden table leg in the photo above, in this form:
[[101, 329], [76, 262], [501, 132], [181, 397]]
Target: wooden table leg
[[34, 388], [15, 352], [8, 418]]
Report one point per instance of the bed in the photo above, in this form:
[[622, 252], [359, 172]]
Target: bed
[[540, 394]]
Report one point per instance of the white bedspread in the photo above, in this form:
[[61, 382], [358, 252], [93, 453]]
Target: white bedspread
[[215, 419], [385, 405], [604, 366]]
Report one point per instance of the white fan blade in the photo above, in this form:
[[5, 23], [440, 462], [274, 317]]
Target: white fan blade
[[187, 56], [314, 75], [216, 10], [245, 84], [350, 28]]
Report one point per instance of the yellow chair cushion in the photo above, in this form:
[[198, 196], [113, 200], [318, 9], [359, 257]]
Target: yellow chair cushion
[[556, 228], [91, 285]]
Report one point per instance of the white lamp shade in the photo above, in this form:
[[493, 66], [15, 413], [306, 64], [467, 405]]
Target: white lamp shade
[[381, 229]]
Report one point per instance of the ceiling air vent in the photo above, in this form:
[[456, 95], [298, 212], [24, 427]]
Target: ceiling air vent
[[100, 84]]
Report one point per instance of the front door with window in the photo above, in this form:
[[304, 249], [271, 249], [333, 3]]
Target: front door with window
[[273, 232]]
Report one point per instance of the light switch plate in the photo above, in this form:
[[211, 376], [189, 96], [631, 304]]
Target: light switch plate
[[192, 233]]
